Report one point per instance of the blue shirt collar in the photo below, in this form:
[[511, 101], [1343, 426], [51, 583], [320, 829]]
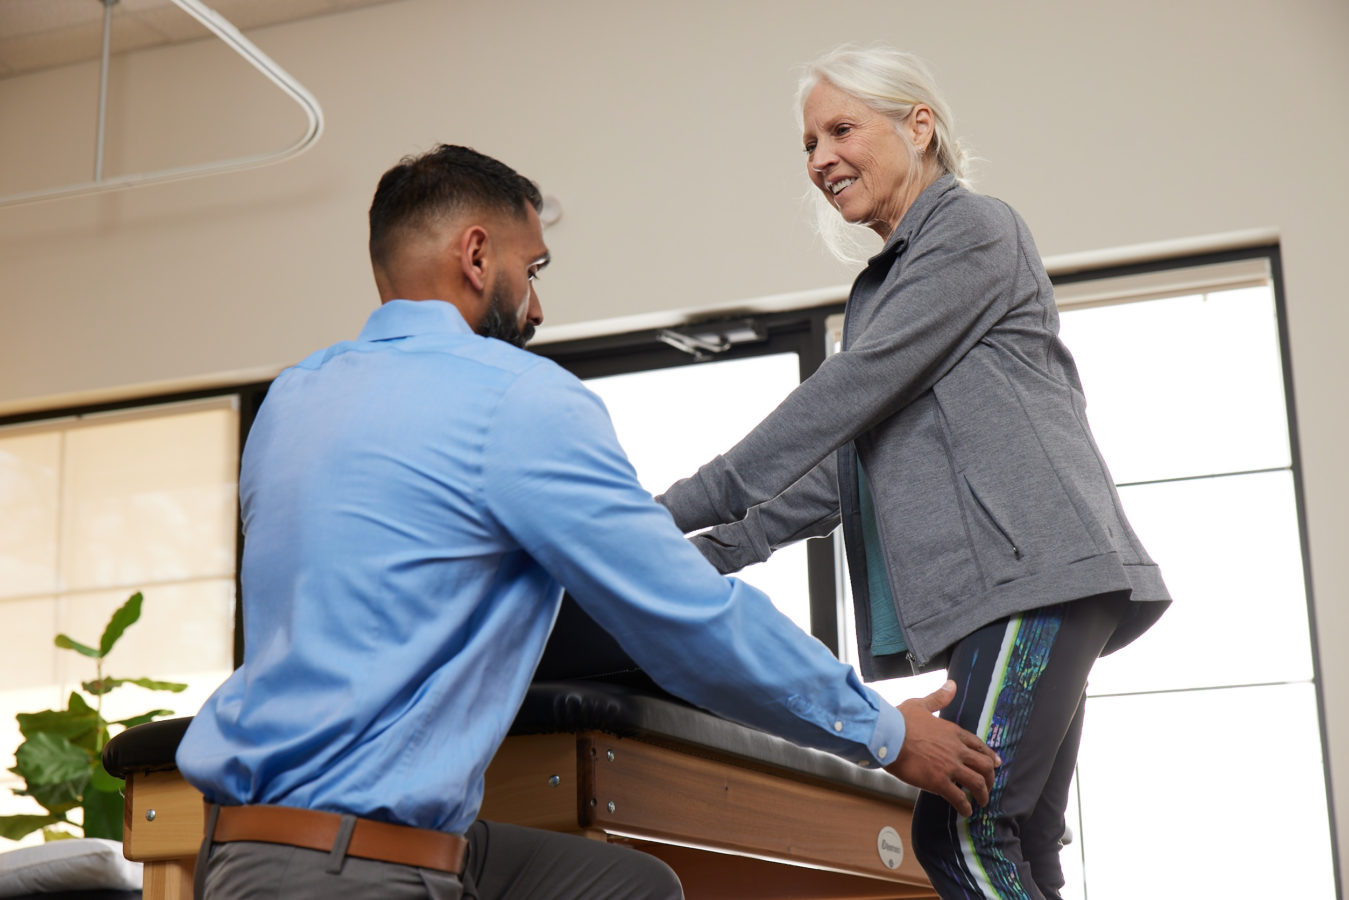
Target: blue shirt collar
[[405, 318]]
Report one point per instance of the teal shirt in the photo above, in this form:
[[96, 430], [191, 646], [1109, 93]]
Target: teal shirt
[[886, 637]]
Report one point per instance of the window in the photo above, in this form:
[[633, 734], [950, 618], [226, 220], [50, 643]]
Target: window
[[709, 407], [674, 411], [99, 507], [1187, 397]]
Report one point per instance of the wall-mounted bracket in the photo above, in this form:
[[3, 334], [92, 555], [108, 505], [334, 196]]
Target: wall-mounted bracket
[[705, 340]]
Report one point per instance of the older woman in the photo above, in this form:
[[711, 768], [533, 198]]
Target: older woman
[[950, 437]]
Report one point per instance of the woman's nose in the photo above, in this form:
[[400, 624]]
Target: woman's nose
[[822, 158]]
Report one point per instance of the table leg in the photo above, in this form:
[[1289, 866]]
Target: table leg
[[169, 879]]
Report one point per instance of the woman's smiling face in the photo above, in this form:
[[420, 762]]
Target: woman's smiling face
[[857, 158]]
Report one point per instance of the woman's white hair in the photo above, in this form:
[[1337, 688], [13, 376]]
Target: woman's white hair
[[892, 83]]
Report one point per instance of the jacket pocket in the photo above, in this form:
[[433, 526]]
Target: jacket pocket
[[996, 544], [1000, 528]]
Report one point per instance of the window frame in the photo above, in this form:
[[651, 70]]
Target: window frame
[[249, 396]]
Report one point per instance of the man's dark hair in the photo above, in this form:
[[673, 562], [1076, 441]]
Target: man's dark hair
[[441, 182]]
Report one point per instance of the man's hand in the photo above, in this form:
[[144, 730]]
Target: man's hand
[[942, 757]]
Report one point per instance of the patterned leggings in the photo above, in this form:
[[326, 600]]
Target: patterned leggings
[[1021, 685]]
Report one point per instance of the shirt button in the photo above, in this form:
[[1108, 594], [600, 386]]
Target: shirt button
[[838, 726], [883, 752]]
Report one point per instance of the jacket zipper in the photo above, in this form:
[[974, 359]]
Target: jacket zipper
[[885, 559]]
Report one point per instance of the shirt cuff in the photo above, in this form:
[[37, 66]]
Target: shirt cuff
[[888, 736]]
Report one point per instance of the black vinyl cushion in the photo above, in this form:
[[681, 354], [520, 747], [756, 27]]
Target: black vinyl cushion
[[145, 748]]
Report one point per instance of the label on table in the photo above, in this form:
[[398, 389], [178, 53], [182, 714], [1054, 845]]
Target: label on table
[[890, 847]]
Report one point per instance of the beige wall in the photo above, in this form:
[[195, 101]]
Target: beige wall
[[666, 131]]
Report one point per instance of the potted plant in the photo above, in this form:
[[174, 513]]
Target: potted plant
[[60, 759]]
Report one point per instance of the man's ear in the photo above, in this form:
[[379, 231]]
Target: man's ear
[[473, 256]]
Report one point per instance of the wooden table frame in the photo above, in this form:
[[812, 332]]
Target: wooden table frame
[[731, 831]]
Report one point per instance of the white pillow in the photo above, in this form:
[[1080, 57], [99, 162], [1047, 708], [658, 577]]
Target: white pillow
[[78, 864]]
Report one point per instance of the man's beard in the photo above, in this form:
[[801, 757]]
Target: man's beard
[[500, 322]]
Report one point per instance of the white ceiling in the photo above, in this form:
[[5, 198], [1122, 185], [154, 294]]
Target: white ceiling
[[39, 34]]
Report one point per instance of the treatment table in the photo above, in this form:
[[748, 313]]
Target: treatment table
[[737, 813]]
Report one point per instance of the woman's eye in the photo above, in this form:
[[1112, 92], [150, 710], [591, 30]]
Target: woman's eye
[[842, 130], [810, 148]]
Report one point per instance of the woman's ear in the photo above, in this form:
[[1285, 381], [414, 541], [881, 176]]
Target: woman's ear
[[921, 124]]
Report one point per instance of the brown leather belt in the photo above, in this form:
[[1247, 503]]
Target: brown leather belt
[[314, 830]]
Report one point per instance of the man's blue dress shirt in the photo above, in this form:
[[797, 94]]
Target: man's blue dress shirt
[[414, 502]]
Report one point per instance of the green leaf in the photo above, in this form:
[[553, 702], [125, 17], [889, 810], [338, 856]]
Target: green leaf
[[66, 643], [100, 686], [49, 759], [56, 771], [175, 687], [101, 780], [104, 685], [103, 808], [15, 827], [76, 703], [66, 723], [126, 614], [143, 718], [57, 798], [56, 834]]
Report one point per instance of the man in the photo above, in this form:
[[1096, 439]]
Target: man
[[414, 502]]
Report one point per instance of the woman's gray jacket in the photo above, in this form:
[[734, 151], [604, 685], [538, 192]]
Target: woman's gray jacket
[[967, 413]]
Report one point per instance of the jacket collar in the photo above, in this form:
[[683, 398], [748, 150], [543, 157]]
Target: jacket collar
[[405, 318], [917, 214]]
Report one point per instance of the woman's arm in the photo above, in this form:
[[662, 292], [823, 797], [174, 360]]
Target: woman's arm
[[915, 313], [809, 508]]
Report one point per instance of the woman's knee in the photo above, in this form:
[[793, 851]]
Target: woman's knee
[[940, 835]]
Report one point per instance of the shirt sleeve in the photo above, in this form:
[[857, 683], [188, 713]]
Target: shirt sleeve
[[809, 508], [556, 479], [933, 304]]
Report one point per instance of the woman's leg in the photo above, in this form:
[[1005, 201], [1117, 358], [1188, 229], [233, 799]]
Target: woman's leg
[[1020, 685], [1042, 834]]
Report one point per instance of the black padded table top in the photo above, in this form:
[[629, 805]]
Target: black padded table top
[[622, 710], [628, 711]]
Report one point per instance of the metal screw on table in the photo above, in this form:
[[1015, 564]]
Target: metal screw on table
[[150, 815]]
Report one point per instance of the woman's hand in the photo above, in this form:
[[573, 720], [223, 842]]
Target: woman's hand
[[940, 756]]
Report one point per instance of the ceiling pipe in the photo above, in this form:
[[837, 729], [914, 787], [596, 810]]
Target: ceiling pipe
[[103, 88], [225, 30]]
